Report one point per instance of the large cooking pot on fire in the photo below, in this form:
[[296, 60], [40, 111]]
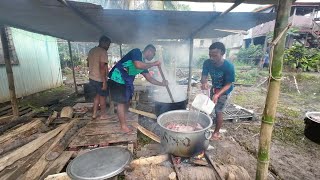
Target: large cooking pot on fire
[[163, 102], [185, 144]]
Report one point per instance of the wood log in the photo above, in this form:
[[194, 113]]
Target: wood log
[[65, 140], [60, 176], [58, 164], [66, 112], [25, 130], [149, 160], [9, 146], [51, 118], [28, 148], [17, 169], [149, 172], [36, 171], [147, 132], [17, 120], [146, 114]]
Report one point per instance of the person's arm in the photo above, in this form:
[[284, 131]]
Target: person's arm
[[142, 65], [153, 81], [103, 64]]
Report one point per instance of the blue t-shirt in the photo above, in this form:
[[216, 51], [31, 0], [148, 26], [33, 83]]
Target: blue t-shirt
[[220, 75], [128, 63]]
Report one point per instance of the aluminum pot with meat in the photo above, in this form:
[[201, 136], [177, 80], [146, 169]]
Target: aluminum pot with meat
[[185, 133]]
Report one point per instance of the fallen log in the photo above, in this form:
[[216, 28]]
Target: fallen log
[[9, 146], [149, 172], [149, 160], [147, 132], [51, 118], [25, 130], [65, 140], [28, 148], [146, 114], [58, 164], [36, 171], [16, 121], [66, 112]]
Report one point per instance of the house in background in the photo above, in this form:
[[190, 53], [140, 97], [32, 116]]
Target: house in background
[[35, 63], [304, 19]]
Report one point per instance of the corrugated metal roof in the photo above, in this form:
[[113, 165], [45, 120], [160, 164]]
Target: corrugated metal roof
[[123, 26]]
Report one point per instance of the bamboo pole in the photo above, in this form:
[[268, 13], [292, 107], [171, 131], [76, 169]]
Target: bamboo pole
[[190, 67], [273, 91], [72, 65], [5, 48]]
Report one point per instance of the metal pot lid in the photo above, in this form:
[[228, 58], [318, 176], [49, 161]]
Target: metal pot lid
[[101, 163]]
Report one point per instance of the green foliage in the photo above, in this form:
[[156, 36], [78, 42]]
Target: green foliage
[[298, 55], [176, 6], [65, 56], [291, 32], [201, 60], [250, 55], [247, 77]]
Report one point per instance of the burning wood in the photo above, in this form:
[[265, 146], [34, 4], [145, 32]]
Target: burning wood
[[180, 127]]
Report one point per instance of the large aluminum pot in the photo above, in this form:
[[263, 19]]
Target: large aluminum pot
[[185, 144]]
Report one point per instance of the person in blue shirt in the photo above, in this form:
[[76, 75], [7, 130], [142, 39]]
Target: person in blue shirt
[[122, 75], [266, 59], [223, 76]]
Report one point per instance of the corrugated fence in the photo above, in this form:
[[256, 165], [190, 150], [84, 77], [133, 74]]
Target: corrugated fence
[[39, 64]]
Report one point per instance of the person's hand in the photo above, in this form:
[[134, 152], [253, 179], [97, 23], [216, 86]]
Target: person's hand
[[215, 98], [204, 86], [165, 83], [104, 86], [157, 63]]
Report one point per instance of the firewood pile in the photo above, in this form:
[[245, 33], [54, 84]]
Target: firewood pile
[[34, 148]]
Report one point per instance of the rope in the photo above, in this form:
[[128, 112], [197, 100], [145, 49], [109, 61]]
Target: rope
[[273, 44]]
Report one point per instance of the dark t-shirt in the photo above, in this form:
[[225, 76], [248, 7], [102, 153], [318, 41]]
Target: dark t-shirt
[[221, 75], [128, 63]]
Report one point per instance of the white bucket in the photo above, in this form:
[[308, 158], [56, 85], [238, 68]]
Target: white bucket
[[203, 103]]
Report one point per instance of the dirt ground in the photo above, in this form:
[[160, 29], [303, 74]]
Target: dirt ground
[[293, 156]]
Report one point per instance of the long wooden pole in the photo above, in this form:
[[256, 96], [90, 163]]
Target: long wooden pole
[[12, 91], [269, 113], [190, 67], [167, 86], [72, 65]]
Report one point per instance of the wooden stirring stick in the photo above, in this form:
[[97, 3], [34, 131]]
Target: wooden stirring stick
[[167, 87]]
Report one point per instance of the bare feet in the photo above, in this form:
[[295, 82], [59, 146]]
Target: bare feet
[[127, 130], [94, 116], [216, 137], [104, 117]]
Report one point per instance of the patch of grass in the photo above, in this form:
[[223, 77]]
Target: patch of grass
[[247, 76], [289, 131], [143, 139], [289, 113]]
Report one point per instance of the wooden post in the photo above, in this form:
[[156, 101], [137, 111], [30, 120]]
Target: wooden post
[[72, 66], [190, 67], [6, 54], [269, 113]]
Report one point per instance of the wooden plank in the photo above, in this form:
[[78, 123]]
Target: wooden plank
[[5, 119], [60, 176], [36, 171], [25, 130], [28, 148], [103, 132], [17, 120], [16, 170], [146, 114], [58, 164]]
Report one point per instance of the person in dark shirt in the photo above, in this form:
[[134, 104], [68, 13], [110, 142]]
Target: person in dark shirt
[[122, 75], [223, 76]]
